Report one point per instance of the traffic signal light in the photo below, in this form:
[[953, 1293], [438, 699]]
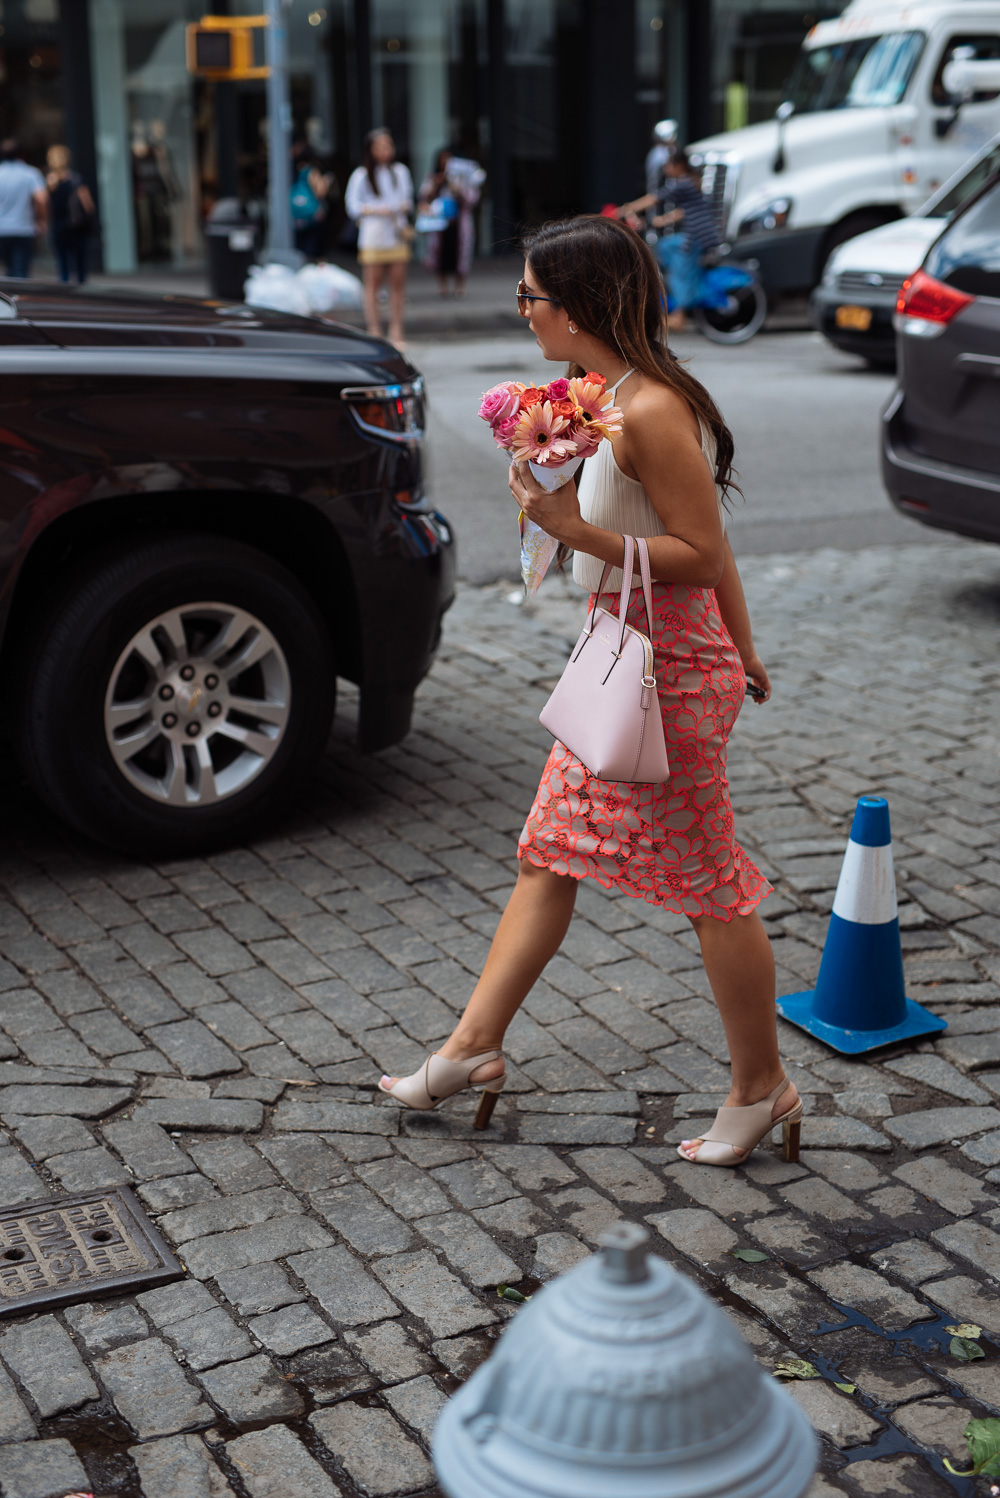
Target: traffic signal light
[[222, 47]]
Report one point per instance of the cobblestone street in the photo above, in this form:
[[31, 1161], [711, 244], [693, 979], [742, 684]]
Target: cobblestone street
[[211, 1033]]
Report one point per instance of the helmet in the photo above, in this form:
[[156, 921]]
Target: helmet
[[665, 131]]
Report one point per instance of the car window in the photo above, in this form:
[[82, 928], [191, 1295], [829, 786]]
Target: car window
[[978, 49], [868, 71], [967, 256], [973, 180]]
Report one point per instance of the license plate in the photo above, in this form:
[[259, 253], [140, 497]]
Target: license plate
[[858, 319]]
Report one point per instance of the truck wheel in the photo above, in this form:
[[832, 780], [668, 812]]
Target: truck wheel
[[175, 694]]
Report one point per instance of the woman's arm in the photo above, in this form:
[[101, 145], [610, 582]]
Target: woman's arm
[[736, 617], [661, 447]]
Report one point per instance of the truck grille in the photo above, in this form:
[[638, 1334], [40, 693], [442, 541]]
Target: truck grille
[[867, 282], [720, 173]]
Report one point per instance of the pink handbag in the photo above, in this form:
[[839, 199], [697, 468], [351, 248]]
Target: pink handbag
[[605, 707]]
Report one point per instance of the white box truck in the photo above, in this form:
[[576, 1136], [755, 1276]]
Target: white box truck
[[884, 104]]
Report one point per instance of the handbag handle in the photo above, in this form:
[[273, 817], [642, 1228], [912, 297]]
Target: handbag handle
[[631, 544]]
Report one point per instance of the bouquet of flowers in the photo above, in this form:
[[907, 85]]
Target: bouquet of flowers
[[553, 428]]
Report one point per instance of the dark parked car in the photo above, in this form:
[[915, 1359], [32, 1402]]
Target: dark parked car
[[941, 427], [207, 514], [854, 304]]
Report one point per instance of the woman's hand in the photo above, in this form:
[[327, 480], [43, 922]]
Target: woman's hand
[[757, 673], [558, 513]]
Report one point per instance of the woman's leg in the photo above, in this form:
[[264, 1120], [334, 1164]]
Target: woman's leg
[[740, 968], [397, 299], [529, 935], [372, 275]]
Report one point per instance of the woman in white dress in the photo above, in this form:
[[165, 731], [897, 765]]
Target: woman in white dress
[[380, 198]]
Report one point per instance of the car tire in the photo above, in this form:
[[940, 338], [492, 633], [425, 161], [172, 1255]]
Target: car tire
[[126, 625]]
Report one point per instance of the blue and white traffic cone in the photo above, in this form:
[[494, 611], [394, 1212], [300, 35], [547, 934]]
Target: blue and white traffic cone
[[859, 1002]]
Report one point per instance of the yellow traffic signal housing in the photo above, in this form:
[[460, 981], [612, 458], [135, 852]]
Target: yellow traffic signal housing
[[221, 47]]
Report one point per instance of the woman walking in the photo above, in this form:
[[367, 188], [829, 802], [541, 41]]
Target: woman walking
[[72, 214], [380, 197], [449, 250], [592, 292]]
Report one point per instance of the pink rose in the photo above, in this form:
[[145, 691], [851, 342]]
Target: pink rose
[[500, 402], [558, 389], [503, 431], [586, 441]]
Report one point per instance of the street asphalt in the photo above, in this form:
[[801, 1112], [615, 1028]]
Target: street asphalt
[[209, 1032]]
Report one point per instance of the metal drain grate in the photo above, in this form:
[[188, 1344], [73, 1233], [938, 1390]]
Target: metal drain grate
[[78, 1247]]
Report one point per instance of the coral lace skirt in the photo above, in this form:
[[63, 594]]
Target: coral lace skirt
[[669, 844]]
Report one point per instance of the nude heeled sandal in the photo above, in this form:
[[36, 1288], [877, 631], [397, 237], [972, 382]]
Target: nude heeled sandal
[[743, 1129], [440, 1078]]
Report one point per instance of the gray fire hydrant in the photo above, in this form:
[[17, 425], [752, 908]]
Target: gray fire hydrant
[[621, 1379]]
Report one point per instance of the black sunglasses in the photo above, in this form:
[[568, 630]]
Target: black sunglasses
[[524, 297]]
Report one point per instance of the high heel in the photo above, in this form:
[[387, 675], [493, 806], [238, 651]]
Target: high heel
[[440, 1078], [738, 1131], [791, 1130]]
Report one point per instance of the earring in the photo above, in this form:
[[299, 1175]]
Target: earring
[[573, 328]]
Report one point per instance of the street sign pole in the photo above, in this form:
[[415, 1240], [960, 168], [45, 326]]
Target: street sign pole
[[279, 120]]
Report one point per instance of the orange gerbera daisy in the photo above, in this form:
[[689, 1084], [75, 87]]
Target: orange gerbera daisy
[[597, 414], [539, 436]]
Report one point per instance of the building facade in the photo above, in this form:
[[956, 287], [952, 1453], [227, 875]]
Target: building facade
[[556, 98]]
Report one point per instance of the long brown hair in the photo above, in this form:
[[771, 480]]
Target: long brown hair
[[368, 159], [608, 281]]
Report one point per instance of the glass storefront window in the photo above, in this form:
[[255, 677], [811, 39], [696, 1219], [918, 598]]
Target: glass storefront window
[[318, 71], [30, 84], [660, 63], [427, 58], [147, 159], [546, 58]]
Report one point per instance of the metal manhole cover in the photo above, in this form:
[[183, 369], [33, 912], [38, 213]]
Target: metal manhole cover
[[77, 1247]]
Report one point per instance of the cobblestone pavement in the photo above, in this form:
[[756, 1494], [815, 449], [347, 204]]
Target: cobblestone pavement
[[211, 1032]]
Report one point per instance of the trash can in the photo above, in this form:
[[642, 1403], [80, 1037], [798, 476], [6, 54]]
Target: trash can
[[231, 238]]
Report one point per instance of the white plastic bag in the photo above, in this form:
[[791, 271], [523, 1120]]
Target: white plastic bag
[[277, 288], [328, 287]]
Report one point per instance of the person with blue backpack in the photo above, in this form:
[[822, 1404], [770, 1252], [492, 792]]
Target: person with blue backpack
[[309, 200]]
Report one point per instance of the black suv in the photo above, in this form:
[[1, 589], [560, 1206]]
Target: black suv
[[941, 428], [207, 513]]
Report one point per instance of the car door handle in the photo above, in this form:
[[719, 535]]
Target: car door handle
[[987, 366]]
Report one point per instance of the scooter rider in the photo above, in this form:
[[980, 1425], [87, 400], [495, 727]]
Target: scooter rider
[[682, 203]]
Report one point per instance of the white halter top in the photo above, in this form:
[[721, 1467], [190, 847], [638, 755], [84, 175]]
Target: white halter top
[[615, 502]]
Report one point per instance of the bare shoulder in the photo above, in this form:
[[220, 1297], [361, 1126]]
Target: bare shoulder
[[656, 414], [657, 403]]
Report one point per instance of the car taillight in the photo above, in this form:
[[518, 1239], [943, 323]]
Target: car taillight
[[395, 412], [922, 296]]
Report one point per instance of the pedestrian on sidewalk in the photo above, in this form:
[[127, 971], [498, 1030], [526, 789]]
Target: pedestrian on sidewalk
[[24, 209], [592, 292], [309, 199], [380, 198], [72, 212], [455, 193]]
